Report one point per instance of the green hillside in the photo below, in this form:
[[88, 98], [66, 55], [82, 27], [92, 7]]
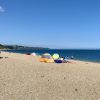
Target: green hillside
[[17, 47]]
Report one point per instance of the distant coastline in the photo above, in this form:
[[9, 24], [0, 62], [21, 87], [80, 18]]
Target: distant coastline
[[18, 47]]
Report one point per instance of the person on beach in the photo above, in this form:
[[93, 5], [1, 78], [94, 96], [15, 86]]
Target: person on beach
[[72, 57], [61, 58], [66, 60]]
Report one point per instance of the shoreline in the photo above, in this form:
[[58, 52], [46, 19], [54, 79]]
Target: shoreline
[[14, 54], [85, 61]]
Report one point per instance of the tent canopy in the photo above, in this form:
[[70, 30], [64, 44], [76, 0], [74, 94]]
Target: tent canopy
[[46, 55]]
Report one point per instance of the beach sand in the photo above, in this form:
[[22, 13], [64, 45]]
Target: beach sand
[[23, 77]]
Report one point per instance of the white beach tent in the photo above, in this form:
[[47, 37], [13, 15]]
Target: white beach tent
[[33, 54]]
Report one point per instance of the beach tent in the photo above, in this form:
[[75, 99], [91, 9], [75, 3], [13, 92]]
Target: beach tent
[[46, 55], [33, 54], [46, 58], [55, 56]]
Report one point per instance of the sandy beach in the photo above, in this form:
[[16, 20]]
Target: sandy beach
[[23, 77]]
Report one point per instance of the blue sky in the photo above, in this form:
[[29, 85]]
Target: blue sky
[[50, 23]]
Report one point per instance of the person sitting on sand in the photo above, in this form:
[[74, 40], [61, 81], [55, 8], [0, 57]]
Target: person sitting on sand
[[62, 58], [72, 57], [66, 60]]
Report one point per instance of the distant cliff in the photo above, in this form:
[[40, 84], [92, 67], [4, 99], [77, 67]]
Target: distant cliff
[[17, 47]]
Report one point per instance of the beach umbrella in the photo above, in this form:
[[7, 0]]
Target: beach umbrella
[[55, 56]]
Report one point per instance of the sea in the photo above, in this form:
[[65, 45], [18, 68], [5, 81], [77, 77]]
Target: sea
[[82, 55]]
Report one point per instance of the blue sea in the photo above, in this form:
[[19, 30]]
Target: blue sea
[[83, 55]]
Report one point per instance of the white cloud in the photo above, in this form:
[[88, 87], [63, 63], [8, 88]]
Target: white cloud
[[1, 9]]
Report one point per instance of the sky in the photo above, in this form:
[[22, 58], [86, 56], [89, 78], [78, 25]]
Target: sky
[[65, 24]]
